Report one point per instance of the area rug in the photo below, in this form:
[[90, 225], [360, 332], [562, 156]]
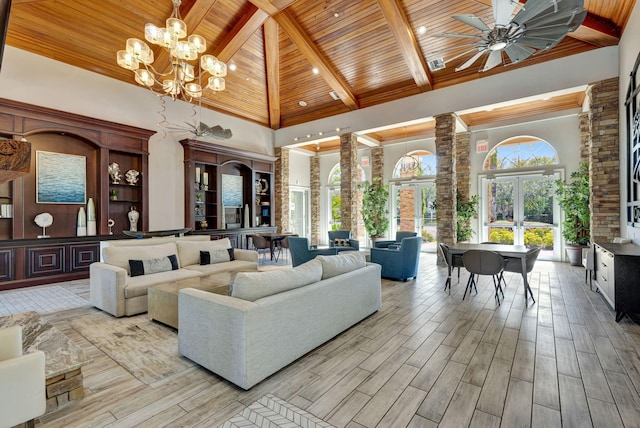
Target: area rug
[[43, 300], [270, 411], [146, 349]]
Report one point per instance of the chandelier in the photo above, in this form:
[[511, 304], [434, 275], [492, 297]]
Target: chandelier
[[181, 79]]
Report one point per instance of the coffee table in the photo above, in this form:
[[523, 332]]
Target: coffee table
[[162, 299]]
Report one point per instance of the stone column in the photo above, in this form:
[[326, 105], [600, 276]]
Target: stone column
[[446, 178], [377, 162], [584, 123], [604, 160], [281, 191], [315, 200], [349, 183], [463, 164]]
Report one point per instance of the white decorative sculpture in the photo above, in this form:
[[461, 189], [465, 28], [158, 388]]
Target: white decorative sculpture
[[43, 220], [114, 173], [91, 218], [132, 177], [133, 219], [81, 229], [110, 224]]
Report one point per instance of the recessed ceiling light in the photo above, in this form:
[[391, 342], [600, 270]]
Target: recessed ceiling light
[[337, 129], [315, 70], [233, 67], [422, 30], [320, 133], [296, 139], [336, 15], [302, 103], [308, 135], [247, 79]]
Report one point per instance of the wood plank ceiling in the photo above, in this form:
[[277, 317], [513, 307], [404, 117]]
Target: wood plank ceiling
[[367, 52]]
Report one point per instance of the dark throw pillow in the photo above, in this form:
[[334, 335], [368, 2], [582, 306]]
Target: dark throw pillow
[[216, 256], [341, 242], [145, 267]]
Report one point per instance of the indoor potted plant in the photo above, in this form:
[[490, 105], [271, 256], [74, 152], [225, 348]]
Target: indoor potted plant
[[465, 211], [374, 208], [113, 195], [573, 197]]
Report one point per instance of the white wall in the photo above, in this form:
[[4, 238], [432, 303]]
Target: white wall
[[629, 51], [43, 82]]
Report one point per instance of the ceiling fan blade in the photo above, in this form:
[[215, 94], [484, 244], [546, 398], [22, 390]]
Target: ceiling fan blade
[[568, 18], [502, 11], [471, 60], [457, 36], [473, 21], [494, 59], [462, 54], [533, 9], [518, 53], [537, 42]]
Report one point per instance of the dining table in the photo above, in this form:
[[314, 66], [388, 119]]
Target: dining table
[[505, 250], [273, 238]]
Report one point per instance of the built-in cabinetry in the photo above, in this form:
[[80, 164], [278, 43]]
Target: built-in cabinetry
[[617, 271], [226, 189], [26, 260]]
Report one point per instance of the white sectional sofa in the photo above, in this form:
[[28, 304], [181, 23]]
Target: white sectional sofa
[[273, 318], [114, 290]]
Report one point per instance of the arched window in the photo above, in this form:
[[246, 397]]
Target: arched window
[[418, 163], [521, 152], [336, 174]]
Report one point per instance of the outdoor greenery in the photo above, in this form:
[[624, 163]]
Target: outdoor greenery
[[539, 236], [465, 211], [573, 197], [374, 207]]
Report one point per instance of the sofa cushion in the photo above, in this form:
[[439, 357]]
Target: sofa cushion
[[189, 251], [256, 285], [342, 263], [216, 256], [137, 285], [217, 268], [120, 256], [149, 266]]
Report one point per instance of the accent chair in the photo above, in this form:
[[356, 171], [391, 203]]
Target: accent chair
[[22, 396], [401, 263], [301, 253], [400, 235]]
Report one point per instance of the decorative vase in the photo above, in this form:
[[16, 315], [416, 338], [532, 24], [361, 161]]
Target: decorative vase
[[247, 223], [133, 219], [81, 229], [91, 218]]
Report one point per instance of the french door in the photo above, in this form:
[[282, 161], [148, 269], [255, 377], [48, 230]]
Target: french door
[[522, 210], [414, 211]]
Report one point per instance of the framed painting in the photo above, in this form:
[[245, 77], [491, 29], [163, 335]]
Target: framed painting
[[231, 190], [60, 178]]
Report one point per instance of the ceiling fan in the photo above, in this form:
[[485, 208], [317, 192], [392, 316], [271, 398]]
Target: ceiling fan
[[538, 25], [201, 129]]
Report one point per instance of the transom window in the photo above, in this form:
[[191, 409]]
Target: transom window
[[521, 152], [418, 163]]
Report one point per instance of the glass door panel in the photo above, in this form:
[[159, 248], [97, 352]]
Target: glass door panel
[[414, 211], [537, 225], [299, 219], [500, 211]]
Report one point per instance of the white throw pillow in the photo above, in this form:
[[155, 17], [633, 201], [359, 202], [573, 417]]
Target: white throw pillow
[[344, 262], [256, 285], [189, 251]]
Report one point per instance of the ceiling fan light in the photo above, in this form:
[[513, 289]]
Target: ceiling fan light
[[496, 46], [177, 27], [126, 60], [216, 84], [144, 77]]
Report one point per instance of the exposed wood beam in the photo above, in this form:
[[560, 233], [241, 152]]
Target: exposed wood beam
[[598, 31], [401, 29], [242, 31], [272, 62], [272, 7], [309, 49]]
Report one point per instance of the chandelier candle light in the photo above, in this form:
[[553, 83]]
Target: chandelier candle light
[[180, 80]]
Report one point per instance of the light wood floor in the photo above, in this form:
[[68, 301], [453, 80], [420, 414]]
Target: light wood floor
[[425, 359]]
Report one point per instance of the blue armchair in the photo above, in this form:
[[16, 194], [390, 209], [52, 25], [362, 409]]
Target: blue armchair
[[399, 264], [301, 253], [400, 235], [354, 244]]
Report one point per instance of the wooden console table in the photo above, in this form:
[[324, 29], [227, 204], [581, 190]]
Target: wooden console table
[[618, 276]]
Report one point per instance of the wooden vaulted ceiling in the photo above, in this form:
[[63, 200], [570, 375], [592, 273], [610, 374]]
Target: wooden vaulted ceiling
[[366, 51]]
